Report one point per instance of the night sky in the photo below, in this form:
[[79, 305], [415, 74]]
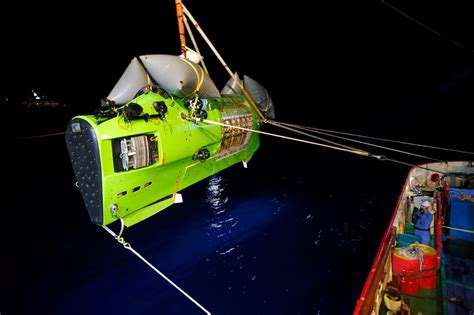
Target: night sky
[[334, 56], [359, 67], [350, 66]]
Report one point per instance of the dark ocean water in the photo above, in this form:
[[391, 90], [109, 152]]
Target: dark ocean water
[[282, 237], [296, 232]]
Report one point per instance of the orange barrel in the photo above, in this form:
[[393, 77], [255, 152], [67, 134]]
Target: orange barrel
[[428, 267], [406, 263]]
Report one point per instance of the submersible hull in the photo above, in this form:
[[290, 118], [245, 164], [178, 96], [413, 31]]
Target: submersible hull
[[133, 169]]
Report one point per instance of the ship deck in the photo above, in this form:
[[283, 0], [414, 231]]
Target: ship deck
[[458, 262], [454, 292], [436, 278]]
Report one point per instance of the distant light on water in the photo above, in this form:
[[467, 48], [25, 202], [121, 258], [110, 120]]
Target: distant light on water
[[35, 95]]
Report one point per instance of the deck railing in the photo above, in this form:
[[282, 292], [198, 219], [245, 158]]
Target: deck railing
[[366, 300], [441, 206]]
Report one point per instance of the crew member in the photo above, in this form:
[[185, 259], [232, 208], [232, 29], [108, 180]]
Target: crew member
[[422, 218]]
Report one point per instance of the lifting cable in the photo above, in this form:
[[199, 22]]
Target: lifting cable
[[295, 127], [193, 40], [219, 57], [127, 245]]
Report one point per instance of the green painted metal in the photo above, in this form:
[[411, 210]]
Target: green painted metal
[[425, 302], [147, 212], [444, 290], [140, 193]]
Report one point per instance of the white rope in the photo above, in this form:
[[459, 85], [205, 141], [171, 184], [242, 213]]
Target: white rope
[[382, 139], [359, 152], [457, 229], [380, 157], [219, 57], [209, 43], [356, 151], [129, 247], [193, 40], [282, 125]]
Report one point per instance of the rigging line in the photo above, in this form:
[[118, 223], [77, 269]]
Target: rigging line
[[392, 160], [219, 57], [382, 139], [41, 136], [457, 229], [367, 143], [127, 245], [274, 123], [359, 152], [193, 40], [207, 40], [417, 166], [424, 26]]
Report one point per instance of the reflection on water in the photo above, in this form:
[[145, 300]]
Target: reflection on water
[[214, 193], [237, 221], [347, 235], [276, 251], [217, 200], [231, 228]]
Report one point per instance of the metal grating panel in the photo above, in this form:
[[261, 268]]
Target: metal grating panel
[[84, 153], [234, 140]]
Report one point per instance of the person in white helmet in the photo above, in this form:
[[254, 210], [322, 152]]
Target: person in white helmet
[[422, 218]]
